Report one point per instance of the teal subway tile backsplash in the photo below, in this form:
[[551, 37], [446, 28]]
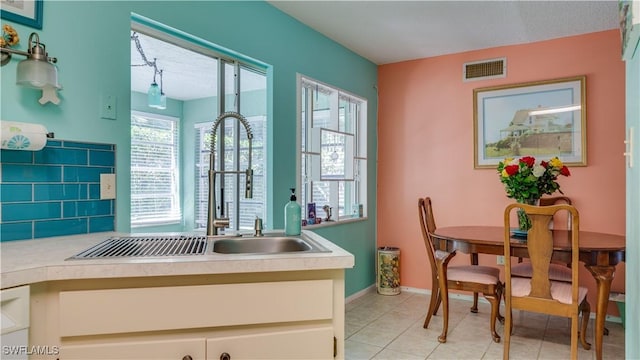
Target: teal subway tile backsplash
[[82, 173], [79, 145], [101, 223], [31, 211], [94, 191], [44, 192], [17, 157], [61, 156], [19, 173], [55, 191], [101, 158], [16, 192], [16, 231], [60, 227]]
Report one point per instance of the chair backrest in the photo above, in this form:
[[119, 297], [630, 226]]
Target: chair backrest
[[428, 226], [540, 248], [559, 218], [555, 200]]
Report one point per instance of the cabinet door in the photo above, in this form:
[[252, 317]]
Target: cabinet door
[[316, 343], [166, 349]]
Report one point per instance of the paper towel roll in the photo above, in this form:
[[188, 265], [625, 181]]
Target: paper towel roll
[[23, 136]]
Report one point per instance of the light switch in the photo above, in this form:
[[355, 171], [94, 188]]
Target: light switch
[[107, 186], [108, 107]]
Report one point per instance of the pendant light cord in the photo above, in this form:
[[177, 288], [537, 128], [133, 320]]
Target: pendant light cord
[[153, 64]]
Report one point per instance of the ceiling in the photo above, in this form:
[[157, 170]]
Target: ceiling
[[392, 31]]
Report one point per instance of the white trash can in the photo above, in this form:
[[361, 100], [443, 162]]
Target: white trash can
[[388, 270]]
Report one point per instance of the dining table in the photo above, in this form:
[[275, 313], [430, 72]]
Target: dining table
[[599, 252]]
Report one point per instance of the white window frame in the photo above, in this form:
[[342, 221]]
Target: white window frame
[[347, 195], [174, 215]]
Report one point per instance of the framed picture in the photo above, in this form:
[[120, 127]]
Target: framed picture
[[540, 119], [629, 27], [25, 12]]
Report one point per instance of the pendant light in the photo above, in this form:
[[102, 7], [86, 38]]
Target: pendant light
[[162, 102], [153, 94]]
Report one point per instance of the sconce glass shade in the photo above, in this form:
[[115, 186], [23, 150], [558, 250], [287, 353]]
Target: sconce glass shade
[[154, 96], [37, 74]]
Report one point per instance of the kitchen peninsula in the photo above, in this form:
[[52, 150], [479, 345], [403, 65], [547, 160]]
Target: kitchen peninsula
[[212, 306]]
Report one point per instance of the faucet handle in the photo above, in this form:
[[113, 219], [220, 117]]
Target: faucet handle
[[257, 226], [221, 223]]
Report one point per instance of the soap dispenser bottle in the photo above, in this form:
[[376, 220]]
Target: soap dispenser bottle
[[292, 216]]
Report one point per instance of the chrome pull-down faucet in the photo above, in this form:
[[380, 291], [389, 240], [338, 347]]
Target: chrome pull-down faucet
[[213, 221]]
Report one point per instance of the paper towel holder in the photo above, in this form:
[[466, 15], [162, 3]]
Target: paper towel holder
[[37, 70]]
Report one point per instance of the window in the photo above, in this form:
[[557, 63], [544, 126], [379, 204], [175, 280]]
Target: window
[[154, 170], [205, 81], [251, 101], [333, 156]]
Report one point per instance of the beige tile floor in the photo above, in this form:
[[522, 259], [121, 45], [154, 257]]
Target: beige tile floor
[[390, 327]]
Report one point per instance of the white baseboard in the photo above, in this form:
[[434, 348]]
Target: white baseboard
[[360, 293]]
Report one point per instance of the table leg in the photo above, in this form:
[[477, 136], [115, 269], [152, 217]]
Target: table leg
[[603, 276], [474, 261]]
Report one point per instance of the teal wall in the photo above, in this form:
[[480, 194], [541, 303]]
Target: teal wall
[[91, 41]]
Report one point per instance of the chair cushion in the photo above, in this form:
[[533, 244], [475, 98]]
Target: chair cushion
[[474, 273], [557, 272], [560, 291]]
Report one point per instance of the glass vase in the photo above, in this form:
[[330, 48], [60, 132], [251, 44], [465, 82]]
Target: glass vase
[[524, 223]]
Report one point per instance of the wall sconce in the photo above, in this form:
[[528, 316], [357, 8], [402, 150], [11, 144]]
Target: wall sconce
[[37, 70]]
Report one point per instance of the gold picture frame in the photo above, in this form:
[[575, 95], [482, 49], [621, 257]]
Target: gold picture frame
[[541, 119]]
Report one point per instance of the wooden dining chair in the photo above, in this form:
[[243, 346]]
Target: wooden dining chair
[[557, 272], [539, 293], [474, 278]]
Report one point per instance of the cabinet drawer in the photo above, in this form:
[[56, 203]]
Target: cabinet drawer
[[92, 312], [294, 344], [139, 350]]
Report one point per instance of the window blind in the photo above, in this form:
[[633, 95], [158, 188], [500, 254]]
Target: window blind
[[154, 170]]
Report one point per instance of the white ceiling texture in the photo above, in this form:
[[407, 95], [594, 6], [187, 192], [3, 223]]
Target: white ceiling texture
[[392, 31]]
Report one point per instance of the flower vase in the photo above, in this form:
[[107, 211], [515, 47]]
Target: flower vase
[[524, 223]]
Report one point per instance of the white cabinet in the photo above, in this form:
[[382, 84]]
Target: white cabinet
[[288, 315], [316, 343]]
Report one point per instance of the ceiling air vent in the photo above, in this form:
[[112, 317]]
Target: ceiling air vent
[[485, 69]]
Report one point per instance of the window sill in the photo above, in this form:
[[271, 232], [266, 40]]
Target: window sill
[[333, 223], [155, 223]]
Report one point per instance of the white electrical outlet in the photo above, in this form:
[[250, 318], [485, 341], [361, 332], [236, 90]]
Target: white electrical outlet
[[500, 260], [107, 186]]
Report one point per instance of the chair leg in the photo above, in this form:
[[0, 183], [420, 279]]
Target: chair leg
[[508, 329], [500, 294], [574, 337], [435, 311], [444, 295], [494, 299], [474, 308], [585, 308], [433, 303]]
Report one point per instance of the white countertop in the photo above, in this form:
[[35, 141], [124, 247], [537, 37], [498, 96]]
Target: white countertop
[[31, 261]]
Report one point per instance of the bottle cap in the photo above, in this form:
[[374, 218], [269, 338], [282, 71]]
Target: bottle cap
[[293, 194]]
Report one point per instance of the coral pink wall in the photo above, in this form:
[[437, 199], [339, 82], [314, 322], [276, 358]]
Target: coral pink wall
[[425, 145]]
